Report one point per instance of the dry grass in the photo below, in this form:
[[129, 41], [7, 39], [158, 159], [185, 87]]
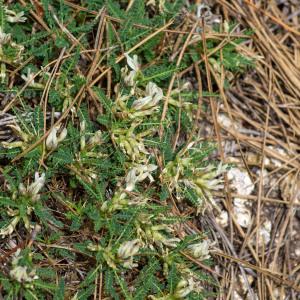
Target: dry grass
[[265, 102]]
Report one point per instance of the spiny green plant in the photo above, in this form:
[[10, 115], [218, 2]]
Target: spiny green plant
[[91, 200]]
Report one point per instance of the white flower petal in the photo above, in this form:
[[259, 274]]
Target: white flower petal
[[132, 62], [62, 135], [141, 102], [37, 185], [129, 248], [51, 141]]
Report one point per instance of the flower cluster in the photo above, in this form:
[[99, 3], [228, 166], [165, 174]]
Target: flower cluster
[[185, 173], [30, 80], [146, 102], [121, 199], [23, 138], [13, 17], [131, 143], [153, 233], [200, 250], [32, 194], [54, 138], [130, 77], [124, 255], [21, 273], [139, 173], [188, 284]]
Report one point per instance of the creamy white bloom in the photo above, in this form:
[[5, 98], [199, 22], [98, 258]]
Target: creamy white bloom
[[37, 185], [53, 140], [126, 252], [129, 248], [161, 5], [151, 2], [82, 133], [4, 37], [128, 77], [200, 250], [172, 242], [14, 17], [154, 91], [133, 62], [29, 78], [21, 273], [10, 227], [135, 67], [95, 139], [142, 102], [3, 72], [155, 234], [138, 174], [129, 264], [183, 288], [18, 131], [153, 95]]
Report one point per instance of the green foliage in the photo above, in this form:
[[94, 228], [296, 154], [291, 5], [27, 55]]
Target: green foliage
[[92, 194]]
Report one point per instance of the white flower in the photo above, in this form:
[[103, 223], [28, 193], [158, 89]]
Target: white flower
[[200, 250], [128, 77], [53, 140], [129, 264], [189, 282], [128, 249], [135, 67], [3, 72], [141, 102], [29, 78], [82, 133], [133, 62], [20, 273], [10, 227], [151, 2], [183, 288], [19, 132], [93, 247], [138, 174], [154, 233], [161, 5], [95, 139], [153, 95], [172, 242], [37, 185], [126, 252], [14, 17], [4, 37], [154, 91], [130, 143]]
